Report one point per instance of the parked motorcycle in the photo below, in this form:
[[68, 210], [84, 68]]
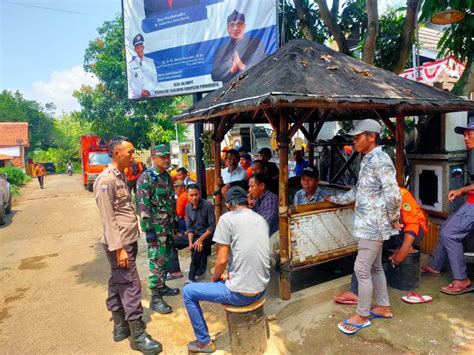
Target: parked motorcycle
[[70, 170]]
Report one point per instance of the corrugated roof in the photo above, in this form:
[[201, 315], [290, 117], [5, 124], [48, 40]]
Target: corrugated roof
[[306, 74], [14, 134], [429, 38]]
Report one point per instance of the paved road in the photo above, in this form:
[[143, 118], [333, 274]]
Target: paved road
[[53, 275]]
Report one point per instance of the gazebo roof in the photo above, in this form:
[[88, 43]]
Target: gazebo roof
[[306, 74]]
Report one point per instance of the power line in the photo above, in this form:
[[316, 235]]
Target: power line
[[57, 10]]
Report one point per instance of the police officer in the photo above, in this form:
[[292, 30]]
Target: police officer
[[119, 240], [157, 210], [142, 77]]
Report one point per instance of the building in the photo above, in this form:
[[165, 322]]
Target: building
[[13, 140]]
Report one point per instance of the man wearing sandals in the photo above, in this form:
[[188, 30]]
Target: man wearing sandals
[[376, 218], [456, 228], [242, 246], [414, 229]]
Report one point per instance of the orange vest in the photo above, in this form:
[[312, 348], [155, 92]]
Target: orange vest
[[412, 215], [129, 172]]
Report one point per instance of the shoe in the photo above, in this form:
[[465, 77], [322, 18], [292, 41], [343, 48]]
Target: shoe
[[121, 328], [357, 326], [141, 341], [193, 347], [168, 291], [158, 304], [170, 276]]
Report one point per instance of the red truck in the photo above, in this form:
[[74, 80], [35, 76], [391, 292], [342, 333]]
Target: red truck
[[95, 158]]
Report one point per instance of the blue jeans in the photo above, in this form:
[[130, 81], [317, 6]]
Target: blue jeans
[[215, 292]]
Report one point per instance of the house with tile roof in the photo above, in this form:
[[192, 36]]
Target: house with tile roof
[[13, 141]]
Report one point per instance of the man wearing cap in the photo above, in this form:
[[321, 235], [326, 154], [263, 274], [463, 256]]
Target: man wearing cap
[[453, 232], [120, 243], [142, 77], [157, 211], [239, 53], [376, 218], [310, 192], [243, 246]]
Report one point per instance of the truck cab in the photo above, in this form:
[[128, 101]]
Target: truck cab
[[95, 158]]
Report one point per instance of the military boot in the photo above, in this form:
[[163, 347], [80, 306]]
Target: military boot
[[157, 302], [121, 328], [141, 340], [168, 291]]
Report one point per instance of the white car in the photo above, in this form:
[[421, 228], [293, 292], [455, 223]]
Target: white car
[[5, 198]]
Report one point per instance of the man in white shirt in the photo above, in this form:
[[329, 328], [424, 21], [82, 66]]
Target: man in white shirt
[[234, 174], [243, 245], [142, 77]]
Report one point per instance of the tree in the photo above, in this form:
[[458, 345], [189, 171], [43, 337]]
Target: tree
[[458, 39], [107, 107], [14, 108], [358, 19]]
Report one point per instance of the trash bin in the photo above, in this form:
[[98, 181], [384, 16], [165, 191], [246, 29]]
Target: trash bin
[[405, 276]]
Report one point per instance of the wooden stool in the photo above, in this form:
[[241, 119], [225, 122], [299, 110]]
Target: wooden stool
[[247, 328]]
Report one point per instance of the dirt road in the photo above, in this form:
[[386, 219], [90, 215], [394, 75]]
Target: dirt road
[[53, 278]]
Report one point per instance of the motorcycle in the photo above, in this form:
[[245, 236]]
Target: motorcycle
[[69, 170]]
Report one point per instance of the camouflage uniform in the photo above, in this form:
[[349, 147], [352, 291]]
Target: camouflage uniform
[[157, 208]]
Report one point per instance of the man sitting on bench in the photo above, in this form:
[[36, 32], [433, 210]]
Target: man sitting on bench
[[242, 246]]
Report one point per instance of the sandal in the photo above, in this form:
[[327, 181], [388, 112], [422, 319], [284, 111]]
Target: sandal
[[357, 326], [428, 271], [453, 289], [415, 298], [195, 347]]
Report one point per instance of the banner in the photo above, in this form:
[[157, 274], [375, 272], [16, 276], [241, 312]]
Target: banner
[[177, 47], [439, 70]]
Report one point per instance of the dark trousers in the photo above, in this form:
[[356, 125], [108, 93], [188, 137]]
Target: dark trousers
[[450, 242], [41, 181], [198, 259], [124, 284]]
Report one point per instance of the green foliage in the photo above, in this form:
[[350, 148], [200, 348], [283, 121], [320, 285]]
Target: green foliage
[[15, 175], [389, 39], [106, 107], [14, 108], [292, 27]]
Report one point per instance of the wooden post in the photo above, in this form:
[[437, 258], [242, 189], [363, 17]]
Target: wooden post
[[216, 146], [400, 146], [311, 147], [285, 261]]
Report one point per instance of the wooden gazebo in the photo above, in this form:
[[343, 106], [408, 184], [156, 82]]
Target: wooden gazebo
[[306, 82]]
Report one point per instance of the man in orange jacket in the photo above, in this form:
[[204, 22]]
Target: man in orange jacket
[[414, 228], [40, 173], [133, 173]]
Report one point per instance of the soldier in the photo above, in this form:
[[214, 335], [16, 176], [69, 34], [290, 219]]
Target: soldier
[[119, 240], [157, 209]]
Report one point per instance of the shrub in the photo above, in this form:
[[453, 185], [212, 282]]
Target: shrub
[[15, 176]]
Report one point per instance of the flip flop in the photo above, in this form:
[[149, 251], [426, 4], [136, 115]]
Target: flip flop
[[457, 290], [194, 348], [374, 315], [345, 301], [415, 298], [426, 272], [357, 326]]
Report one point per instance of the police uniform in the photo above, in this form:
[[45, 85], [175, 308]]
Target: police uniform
[[142, 73], [157, 210], [121, 231]]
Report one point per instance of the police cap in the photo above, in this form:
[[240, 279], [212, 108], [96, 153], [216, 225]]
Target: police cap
[[138, 39]]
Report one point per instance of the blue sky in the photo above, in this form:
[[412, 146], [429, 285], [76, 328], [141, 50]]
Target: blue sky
[[42, 45]]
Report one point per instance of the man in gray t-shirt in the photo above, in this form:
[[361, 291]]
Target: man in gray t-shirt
[[242, 245]]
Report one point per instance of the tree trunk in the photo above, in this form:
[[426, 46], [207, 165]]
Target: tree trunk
[[465, 84], [331, 24], [372, 28], [409, 25], [302, 11]]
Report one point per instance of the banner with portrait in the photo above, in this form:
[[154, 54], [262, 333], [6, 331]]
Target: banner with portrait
[[177, 47]]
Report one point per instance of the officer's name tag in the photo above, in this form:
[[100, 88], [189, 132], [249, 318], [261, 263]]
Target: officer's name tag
[[121, 192]]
